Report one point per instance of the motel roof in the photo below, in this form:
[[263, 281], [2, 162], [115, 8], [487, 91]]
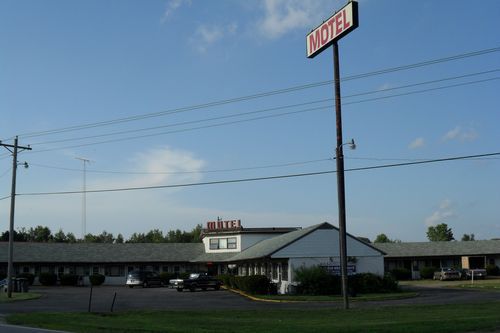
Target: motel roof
[[439, 249], [102, 252]]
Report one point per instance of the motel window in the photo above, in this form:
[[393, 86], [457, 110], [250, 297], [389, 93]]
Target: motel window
[[231, 243], [223, 243], [86, 270], [95, 270], [214, 244], [275, 271], [60, 270], [26, 269], [114, 271], [284, 271]]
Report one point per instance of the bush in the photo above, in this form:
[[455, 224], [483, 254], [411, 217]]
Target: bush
[[401, 274], [492, 270], [427, 272], [69, 280], [254, 284], [225, 279], [96, 279], [30, 277], [47, 279], [316, 281], [166, 277], [390, 284]]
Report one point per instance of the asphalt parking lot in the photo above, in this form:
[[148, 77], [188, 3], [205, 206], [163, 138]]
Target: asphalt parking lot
[[76, 299]]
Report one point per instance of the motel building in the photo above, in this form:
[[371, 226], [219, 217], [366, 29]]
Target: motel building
[[227, 248]]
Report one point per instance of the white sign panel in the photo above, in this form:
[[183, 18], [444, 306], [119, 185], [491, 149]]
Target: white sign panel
[[338, 25]]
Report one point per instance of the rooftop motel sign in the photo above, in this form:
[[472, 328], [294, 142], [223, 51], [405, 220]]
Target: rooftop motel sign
[[338, 25], [223, 225]]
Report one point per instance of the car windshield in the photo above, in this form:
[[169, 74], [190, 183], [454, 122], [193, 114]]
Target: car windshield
[[194, 275]]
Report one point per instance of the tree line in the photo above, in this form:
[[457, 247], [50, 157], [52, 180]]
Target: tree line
[[438, 233], [43, 234]]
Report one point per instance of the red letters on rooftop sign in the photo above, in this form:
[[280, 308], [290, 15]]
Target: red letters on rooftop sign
[[218, 225]]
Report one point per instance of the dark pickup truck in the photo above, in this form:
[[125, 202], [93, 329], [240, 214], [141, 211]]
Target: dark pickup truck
[[195, 281]]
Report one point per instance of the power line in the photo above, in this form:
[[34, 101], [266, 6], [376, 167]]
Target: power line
[[258, 95], [241, 180], [184, 172], [265, 110], [260, 117]]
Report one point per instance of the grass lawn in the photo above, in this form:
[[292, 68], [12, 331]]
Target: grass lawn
[[488, 284], [17, 297], [407, 319], [367, 297]]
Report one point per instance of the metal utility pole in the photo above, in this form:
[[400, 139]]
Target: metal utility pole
[[340, 178], [328, 33], [84, 196], [10, 267]]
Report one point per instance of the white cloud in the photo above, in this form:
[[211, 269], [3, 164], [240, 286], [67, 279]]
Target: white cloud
[[460, 134], [171, 7], [207, 35], [283, 16], [443, 212], [154, 167], [417, 143]]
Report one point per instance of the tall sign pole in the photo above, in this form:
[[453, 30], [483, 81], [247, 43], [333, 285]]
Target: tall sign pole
[[10, 266], [328, 33]]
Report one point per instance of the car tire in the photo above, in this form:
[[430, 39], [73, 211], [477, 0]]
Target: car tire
[[145, 285], [131, 286], [192, 288], [179, 290]]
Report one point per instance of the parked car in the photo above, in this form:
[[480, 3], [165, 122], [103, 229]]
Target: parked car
[[476, 273], [197, 280], [144, 279], [447, 274]]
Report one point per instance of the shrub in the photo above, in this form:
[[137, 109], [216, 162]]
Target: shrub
[[390, 284], [401, 274], [316, 281], [96, 279], [492, 270], [47, 279], [166, 277], [257, 284], [30, 277], [365, 283], [427, 272], [69, 280], [254, 284]]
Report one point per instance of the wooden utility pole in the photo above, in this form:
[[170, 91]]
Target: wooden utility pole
[[10, 268]]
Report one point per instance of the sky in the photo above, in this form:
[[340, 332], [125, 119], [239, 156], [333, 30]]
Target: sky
[[175, 92]]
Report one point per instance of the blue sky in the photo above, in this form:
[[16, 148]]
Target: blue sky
[[70, 63]]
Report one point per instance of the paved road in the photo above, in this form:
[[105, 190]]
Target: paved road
[[76, 299], [20, 329]]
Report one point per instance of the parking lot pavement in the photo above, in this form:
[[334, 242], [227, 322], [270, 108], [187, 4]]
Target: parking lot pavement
[[76, 299]]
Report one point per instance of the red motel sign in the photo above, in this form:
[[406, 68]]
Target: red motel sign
[[220, 225], [338, 25]]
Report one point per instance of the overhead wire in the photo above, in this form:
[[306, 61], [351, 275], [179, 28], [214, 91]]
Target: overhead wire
[[259, 118], [258, 95], [241, 180], [263, 110]]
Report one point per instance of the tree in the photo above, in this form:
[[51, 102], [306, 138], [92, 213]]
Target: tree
[[439, 233], [467, 238], [119, 239], [60, 237], [382, 238], [40, 234]]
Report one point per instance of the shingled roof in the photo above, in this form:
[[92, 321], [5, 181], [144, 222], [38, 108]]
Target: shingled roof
[[102, 253], [439, 249]]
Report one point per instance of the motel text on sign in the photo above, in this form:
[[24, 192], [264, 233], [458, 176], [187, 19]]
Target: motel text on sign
[[338, 25]]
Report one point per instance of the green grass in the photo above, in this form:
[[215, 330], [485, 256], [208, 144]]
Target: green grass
[[491, 284], [358, 298], [17, 297], [407, 319]]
